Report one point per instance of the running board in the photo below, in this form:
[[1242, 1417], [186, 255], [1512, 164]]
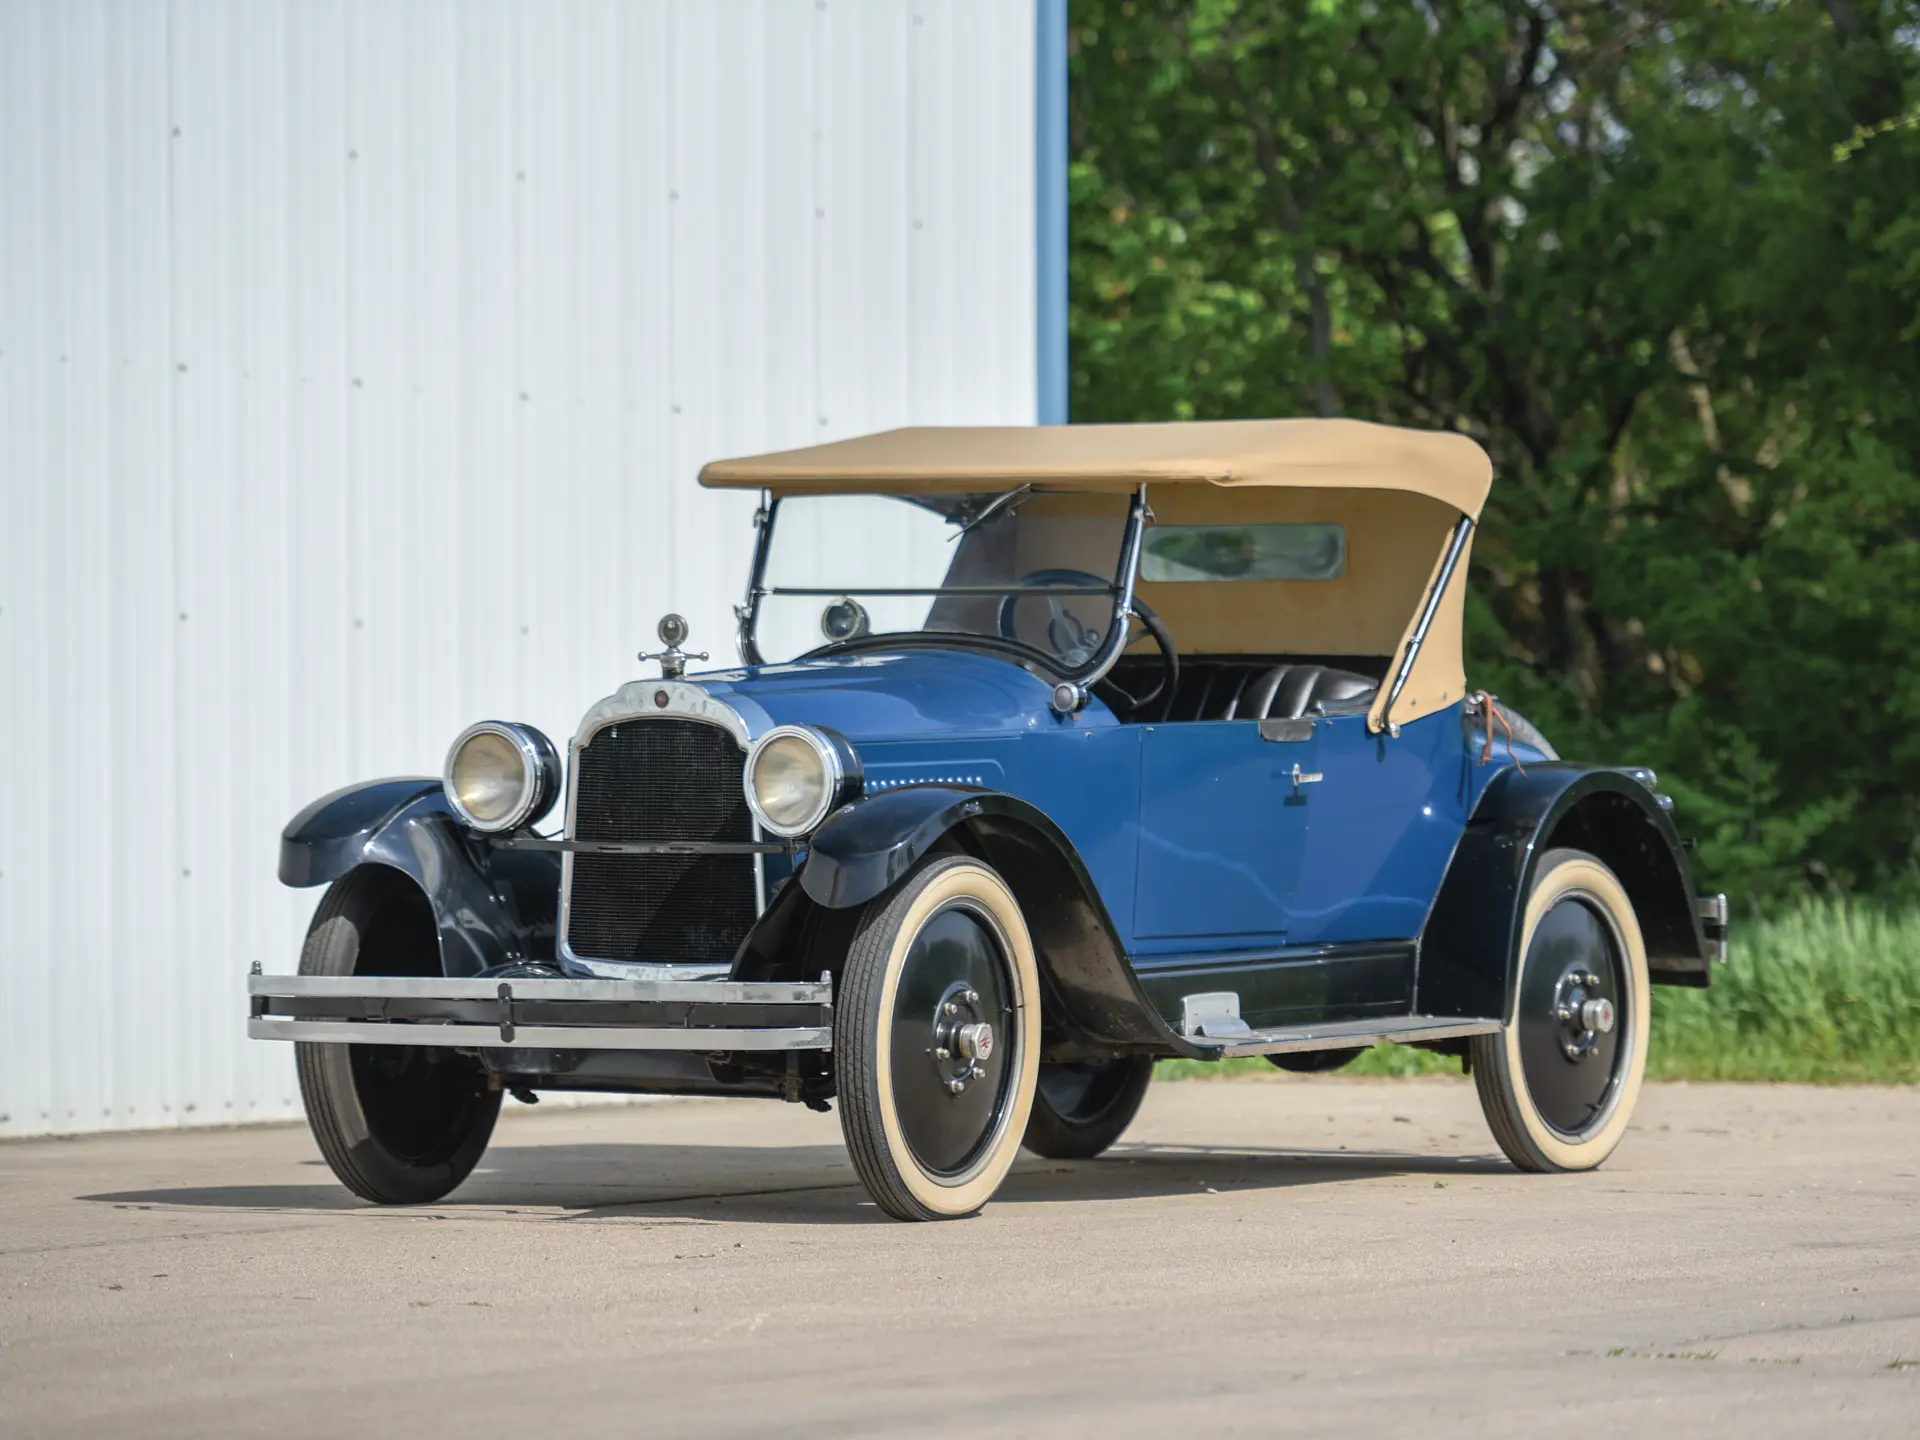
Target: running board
[[1342, 1035]]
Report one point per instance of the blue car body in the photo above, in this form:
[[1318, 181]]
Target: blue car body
[[1206, 863], [969, 867], [1346, 862]]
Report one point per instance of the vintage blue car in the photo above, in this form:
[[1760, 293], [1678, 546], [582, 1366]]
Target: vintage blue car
[[1103, 744]]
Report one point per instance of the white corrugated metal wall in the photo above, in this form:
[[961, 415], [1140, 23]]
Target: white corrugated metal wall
[[356, 360]]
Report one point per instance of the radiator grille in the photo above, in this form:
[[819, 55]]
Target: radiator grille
[[655, 780]]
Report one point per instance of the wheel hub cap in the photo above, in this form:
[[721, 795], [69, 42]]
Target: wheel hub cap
[[962, 1040], [1572, 1016], [1584, 1016]]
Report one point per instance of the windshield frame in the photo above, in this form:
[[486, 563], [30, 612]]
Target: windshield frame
[[1120, 589]]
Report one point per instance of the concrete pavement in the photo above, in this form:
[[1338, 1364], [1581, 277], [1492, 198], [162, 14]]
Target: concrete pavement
[[1314, 1256]]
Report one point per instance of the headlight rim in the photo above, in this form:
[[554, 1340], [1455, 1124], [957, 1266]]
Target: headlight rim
[[539, 775], [838, 761]]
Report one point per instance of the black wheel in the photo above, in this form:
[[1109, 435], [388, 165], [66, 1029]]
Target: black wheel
[[1315, 1062], [398, 1124], [936, 1040], [1559, 1084], [1080, 1109]]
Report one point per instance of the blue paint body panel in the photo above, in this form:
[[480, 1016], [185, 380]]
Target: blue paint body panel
[[1215, 865], [1202, 848], [1222, 836], [1382, 824]]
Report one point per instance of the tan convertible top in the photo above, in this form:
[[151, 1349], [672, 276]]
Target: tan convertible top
[[1397, 494], [1311, 454]]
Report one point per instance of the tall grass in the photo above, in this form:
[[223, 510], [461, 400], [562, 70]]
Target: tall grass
[[1828, 992]]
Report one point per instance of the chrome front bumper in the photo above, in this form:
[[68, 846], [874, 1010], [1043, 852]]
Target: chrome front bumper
[[542, 1014]]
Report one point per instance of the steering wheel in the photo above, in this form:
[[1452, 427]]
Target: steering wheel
[[1075, 644]]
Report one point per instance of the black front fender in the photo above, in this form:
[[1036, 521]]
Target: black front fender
[[1469, 949], [864, 849], [491, 906]]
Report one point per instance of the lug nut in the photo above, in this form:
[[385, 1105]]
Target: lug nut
[[951, 1008], [956, 1086], [979, 1071], [973, 997], [942, 1053]]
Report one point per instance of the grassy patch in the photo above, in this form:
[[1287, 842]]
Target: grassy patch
[[1827, 993]]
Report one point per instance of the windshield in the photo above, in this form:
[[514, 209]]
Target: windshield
[[1028, 567]]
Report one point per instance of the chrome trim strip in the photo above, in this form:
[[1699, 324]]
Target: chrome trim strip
[[534, 1037], [638, 700], [1432, 608], [408, 987], [1352, 1035]]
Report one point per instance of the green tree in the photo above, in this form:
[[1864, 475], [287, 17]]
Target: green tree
[[1615, 243]]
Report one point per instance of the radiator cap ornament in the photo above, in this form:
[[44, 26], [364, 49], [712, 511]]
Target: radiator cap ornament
[[673, 660]]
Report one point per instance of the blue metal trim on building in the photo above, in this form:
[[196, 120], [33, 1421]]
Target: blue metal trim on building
[[1050, 209]]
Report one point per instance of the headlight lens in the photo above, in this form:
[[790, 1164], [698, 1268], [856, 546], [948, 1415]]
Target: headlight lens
[[795, 775], [500, 776]]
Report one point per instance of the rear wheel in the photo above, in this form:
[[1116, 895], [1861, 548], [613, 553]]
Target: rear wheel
[[1080, 1109], [1559, 1083], [398, 1124], [936, 1040]]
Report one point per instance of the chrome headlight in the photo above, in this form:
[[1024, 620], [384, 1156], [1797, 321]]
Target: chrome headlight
[[500, 776], [796, 775]]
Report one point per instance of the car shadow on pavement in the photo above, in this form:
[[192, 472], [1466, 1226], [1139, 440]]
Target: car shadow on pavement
[[812, 1184]]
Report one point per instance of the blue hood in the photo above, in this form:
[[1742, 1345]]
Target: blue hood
[[885, 695]]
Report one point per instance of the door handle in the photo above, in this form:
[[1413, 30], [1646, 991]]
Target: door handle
[[1304, 777]]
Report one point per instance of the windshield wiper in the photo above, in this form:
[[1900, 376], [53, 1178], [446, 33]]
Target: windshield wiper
[[1000, 504]]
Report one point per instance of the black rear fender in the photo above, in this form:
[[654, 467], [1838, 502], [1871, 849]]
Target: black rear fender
[[1092, 998], [1469, 948], [490, 906]]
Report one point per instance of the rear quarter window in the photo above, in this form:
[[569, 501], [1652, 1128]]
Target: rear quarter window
[[1177, 553]]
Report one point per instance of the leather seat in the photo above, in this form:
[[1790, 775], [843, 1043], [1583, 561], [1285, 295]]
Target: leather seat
[[1292, 692]]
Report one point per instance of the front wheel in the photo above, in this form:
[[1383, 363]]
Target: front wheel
[[937, 1040], [1558, 1084], [398, 1124]]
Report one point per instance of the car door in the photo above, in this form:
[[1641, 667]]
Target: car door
[[1382, 827], [1223, 825]]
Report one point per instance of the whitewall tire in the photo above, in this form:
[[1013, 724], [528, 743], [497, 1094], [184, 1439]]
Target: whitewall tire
[[1559, 1083], [937, 1040]]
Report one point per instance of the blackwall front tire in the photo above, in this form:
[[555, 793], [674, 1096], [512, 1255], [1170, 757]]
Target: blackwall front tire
[[1080, 1109], [398, 1124], [1559, 1083], [937, 1040]]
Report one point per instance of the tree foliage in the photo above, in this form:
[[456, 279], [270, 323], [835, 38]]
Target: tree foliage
[[1661, 259]]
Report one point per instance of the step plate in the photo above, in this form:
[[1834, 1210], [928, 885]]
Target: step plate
[[1346, 1035]]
